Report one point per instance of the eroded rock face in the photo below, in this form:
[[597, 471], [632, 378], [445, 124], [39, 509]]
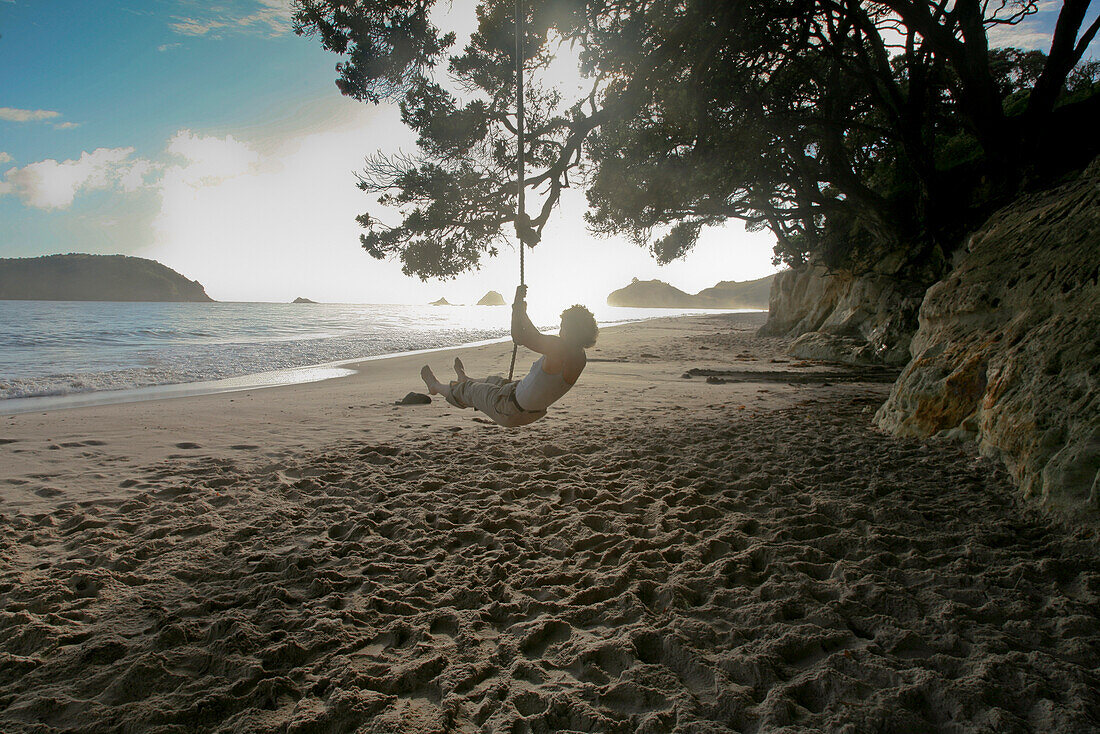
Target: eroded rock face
[[1008, 348], [839, 317]]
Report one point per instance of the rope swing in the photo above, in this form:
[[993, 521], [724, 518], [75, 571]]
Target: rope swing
[[521, 210]]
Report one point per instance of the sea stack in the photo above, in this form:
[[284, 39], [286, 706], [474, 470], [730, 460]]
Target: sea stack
[[492, 298]]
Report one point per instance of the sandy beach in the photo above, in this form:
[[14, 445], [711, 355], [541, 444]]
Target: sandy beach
[[734, 550]]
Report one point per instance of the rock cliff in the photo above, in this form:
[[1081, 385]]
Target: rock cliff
[[726, 294], [1008, 348], [77, 277], [840, 317]]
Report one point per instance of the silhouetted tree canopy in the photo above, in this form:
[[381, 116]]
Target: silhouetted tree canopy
[[849, 129]]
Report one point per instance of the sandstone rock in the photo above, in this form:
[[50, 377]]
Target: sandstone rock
[[801, 299], [414, 398], [840, 317], [1008, 348]]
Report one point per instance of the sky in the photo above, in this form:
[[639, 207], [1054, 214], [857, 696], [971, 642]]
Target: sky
[[209, 137]]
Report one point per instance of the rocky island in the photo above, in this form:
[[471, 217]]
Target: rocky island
[[302, 299], [492, 298], [80, 277], [726, 294]]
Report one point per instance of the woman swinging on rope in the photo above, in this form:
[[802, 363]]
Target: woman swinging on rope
[[511, 403]]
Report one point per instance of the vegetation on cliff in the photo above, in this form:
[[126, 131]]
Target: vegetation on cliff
[[78, 277], [853, 131]]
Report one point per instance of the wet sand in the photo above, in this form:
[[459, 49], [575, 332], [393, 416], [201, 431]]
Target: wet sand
[[660, 554]]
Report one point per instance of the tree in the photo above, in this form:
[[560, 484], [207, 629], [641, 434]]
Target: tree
[[846, 128]]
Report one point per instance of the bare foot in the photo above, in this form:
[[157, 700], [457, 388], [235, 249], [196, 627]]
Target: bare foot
[[460, 370], [428, 376]]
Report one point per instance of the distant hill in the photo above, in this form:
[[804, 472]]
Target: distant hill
[[441, 302], [77, 277], [727, 294], [740, 294], [492, 298], [302, 299]]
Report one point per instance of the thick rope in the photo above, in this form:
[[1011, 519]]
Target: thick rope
[[521, 209]]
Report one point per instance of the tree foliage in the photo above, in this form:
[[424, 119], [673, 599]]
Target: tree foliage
[[847, 128]]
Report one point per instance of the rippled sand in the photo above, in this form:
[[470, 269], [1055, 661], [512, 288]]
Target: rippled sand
[[686, 557]]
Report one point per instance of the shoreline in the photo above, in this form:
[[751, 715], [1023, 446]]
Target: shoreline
[[262, 424], [259, 380], [659, 553]]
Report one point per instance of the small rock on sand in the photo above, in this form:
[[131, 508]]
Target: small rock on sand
[[414, 398]]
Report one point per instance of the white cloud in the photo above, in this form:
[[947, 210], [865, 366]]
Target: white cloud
[[5, 157], [273, 225], [168, 46], [271, 16], [66, 125], [208, 160], [275, 15], [277, 225], [194, 27], [12, 114], [1035, 31], [133, 177], [51, 184], [1020, 36], [274, 218]]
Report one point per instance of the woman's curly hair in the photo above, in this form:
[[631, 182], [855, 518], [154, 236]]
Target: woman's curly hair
[[580, 324]]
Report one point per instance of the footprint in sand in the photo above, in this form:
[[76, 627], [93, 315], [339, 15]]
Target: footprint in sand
[[447, 625], [553, 632], [187, 445]]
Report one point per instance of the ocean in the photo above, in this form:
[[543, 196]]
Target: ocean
[[60, 354]]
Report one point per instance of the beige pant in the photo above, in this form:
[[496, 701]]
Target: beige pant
[[493, 397]]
